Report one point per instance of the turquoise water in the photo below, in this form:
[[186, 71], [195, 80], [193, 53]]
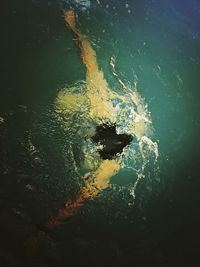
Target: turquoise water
[[157, 46]]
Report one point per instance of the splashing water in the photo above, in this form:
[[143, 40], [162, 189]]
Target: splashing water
[[82, 5], [88, 104]]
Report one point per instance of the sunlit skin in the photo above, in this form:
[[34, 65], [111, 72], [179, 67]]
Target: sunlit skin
[[98, 98], [97, 103], [100, 108], [98, 93]]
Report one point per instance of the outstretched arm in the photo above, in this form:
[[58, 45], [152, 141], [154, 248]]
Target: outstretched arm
[[87, 53], [98, 91]]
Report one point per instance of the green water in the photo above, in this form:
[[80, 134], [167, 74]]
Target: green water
[[156, 46]]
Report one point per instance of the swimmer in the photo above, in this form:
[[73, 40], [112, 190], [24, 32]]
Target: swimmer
[[102, 112], [101, 109]]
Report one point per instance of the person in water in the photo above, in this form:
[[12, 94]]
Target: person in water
[[99, 99], [101, 109], [103, 113]]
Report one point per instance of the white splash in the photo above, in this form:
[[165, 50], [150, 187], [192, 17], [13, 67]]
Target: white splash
[[83, 4]]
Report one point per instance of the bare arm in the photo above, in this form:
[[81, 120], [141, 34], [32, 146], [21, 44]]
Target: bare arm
[[87, 53]]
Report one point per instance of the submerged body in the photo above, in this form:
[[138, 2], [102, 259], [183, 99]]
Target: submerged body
[[98, 95], [98, 105]]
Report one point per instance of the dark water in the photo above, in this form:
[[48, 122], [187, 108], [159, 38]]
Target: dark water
[[157, 45]]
